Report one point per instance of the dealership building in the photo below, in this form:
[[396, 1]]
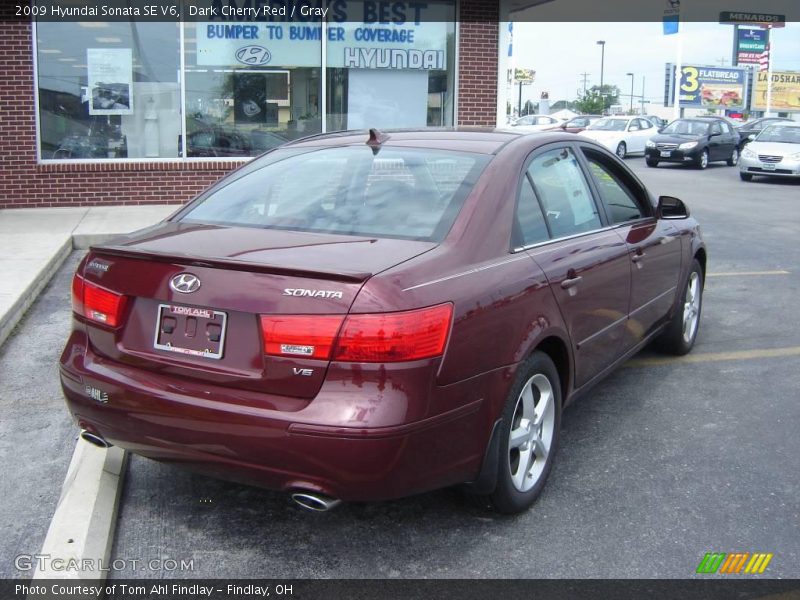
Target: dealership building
[[139, 111]]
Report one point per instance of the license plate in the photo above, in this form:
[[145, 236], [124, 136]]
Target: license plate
[[666, 153], [768, 166], [190, 330]]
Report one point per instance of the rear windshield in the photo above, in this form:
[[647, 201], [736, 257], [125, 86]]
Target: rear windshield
[[395, 193]]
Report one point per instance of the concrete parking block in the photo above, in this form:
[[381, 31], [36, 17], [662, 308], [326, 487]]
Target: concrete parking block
[[82, 529]]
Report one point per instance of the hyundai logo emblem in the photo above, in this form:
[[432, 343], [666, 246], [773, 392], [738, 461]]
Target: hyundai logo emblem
[[253, 55], [185, 283]]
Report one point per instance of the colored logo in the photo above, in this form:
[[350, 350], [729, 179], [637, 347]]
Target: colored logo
[[734, 563], [253, 55]]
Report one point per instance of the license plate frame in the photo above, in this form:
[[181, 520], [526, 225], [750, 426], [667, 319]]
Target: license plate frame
[[768, 166], [204, 317], [666, 153]]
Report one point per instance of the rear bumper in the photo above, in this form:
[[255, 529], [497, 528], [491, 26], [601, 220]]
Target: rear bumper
[[359, 449]]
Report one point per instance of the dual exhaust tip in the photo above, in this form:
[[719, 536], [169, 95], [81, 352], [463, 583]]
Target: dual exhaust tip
[[307, 500], [315, 502], [94, 439]]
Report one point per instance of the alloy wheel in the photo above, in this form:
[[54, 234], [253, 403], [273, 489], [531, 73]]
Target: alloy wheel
[[532, 431], [691, 307]]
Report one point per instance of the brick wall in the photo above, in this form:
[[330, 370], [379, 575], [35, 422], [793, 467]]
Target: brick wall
[[24, 183], [477, 66]]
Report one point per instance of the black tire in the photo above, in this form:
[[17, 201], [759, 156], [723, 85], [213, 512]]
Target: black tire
[[507, 497], [651, 162], [745, 176], [622, 150], [674, 339], [734, 159], [701, 162]]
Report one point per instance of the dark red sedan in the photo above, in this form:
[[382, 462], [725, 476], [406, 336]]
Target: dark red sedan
[[367, 316]]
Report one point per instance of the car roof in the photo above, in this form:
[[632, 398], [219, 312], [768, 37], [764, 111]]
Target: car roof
[[483, 140]]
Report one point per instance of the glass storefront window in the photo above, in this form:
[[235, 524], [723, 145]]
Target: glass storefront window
[[250, 86], [394, 70], [108, 90], [114, 90]]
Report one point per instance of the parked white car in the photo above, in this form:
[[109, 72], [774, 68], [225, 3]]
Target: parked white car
[[536, 123], [774, 152], [622, 135]]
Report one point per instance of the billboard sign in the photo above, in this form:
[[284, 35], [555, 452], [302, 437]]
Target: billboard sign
[[524, 76], [785, 91], [712, 87], [750, 45]]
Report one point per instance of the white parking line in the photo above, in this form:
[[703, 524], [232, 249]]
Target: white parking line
[[749, 274]]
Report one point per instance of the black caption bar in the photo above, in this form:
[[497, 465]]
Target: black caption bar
[[387, 12], [415, 589]]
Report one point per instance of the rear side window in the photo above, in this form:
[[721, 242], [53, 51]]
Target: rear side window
[[565, 195], [530, 222], [400, 193]]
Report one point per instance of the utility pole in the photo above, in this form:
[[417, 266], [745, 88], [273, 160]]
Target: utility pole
[[642, 113], [585, 77]]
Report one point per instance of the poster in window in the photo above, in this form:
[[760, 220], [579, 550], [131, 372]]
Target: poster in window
[[250, 98], [110, 74]]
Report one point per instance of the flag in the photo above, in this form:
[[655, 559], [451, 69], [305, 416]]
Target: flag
[[763, 60]]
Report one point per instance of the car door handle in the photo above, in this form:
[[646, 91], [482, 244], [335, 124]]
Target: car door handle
[[638, 257], [570, 283]]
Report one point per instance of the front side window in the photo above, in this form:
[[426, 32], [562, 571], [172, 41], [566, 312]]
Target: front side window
[[566, 198], [619, 197], [407, 194]]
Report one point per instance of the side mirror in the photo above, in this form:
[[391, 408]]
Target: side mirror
[[751, 137], [563, 126], [671, 208], [660, 130]]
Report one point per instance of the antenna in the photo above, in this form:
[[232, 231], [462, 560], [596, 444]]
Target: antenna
[[376, 138]]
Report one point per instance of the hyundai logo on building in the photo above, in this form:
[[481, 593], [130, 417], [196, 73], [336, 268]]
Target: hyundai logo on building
[[185, 283], [253, 55]]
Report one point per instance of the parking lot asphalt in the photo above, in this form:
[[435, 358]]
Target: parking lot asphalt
[[37, 435], [664, 461]]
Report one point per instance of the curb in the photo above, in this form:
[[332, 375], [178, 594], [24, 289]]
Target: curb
[[78, 542], [14, 315]]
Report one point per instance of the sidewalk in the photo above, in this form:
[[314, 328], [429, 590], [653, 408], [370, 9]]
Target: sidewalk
[[36, 241]]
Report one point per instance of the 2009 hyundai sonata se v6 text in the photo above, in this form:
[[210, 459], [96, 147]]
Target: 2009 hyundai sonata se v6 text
[[370, 315]]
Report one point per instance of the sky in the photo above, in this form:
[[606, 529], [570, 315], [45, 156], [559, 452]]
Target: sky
[[561, 52]]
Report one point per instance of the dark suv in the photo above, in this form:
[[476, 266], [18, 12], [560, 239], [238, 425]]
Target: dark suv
[[697, 141]]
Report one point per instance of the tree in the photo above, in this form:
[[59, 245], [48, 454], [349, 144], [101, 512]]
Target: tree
[[597, 99]]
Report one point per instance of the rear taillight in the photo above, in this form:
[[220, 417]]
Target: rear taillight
[[383, 337], [97, 304], [308, 336]]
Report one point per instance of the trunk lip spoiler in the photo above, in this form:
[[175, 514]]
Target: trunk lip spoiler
[[228, 263]]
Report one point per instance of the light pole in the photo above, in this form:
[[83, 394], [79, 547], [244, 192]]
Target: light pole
[[631, 76], [602, 44]]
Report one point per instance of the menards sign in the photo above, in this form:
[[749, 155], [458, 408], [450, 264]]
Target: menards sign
[[739, 18]]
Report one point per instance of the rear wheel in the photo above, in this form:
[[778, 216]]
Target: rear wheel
[[745, 176], [651, 162], [734, 159], [679, 336], [622, 150], [702, 160], [528, 435]]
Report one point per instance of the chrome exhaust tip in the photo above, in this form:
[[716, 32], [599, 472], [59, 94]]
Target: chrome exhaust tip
[[93, 439], [315, 502]]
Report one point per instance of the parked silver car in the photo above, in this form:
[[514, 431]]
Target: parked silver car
[[774, 152]]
